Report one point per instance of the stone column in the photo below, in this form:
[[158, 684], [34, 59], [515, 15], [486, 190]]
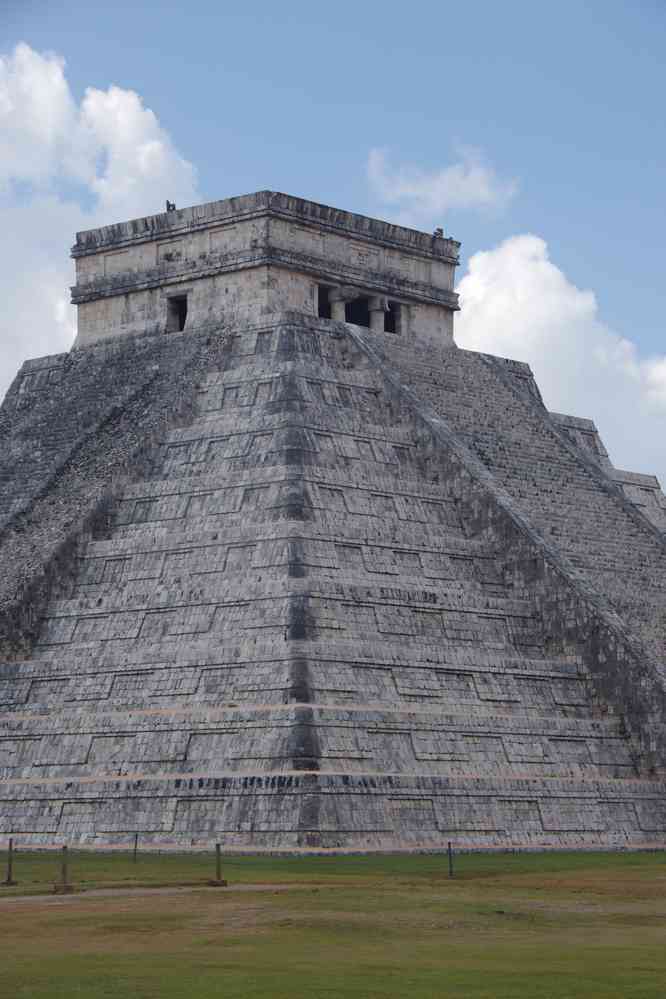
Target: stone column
[[377, 307], [337, 308], [338, 297]]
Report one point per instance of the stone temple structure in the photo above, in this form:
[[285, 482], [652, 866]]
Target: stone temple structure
[[285, 568]]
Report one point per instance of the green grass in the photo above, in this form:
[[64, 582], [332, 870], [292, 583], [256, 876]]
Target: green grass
[[36, 872], [543, 926]]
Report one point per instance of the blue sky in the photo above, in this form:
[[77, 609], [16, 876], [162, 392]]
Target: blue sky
[[558, 109]]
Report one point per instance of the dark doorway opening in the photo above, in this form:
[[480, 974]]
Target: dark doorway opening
[[357, 312], [392, 318], [176, 313], [323, 302]]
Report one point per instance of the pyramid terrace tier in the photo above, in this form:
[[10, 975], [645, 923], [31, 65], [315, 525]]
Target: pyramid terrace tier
[[176, 672], [320, 611], [423, 739], [301, 812]]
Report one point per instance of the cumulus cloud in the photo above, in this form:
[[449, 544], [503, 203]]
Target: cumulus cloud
[[38, 118], [517, 303], [420, 197], [64, 166], [141, 165]]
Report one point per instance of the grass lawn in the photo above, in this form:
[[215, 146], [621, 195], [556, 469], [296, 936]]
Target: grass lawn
[[543, 926]]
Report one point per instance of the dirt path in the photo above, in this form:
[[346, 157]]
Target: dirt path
[[53, 899]]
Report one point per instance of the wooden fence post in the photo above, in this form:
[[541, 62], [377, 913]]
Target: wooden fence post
[[9, 880], [64, 887], [219, 881]]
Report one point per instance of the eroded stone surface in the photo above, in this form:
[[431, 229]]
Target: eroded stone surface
[[301, 585]]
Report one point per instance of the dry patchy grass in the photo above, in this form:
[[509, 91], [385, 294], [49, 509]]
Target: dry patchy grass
[[538, 926]]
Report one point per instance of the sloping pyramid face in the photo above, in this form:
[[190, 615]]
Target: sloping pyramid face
[[310, 626]]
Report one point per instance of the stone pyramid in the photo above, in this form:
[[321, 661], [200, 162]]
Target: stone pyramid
[[285, 569]]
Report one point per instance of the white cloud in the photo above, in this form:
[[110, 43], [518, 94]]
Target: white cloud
[[66, 166], [139, 155], [422, 198], [517, 303], [38, 118]]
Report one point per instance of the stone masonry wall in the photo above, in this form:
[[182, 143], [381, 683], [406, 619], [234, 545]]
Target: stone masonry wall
[[71, 427]]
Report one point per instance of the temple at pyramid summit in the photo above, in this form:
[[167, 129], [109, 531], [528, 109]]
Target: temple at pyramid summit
[[284, 568]]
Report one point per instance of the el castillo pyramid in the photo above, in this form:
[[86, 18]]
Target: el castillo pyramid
[[284, 568]]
